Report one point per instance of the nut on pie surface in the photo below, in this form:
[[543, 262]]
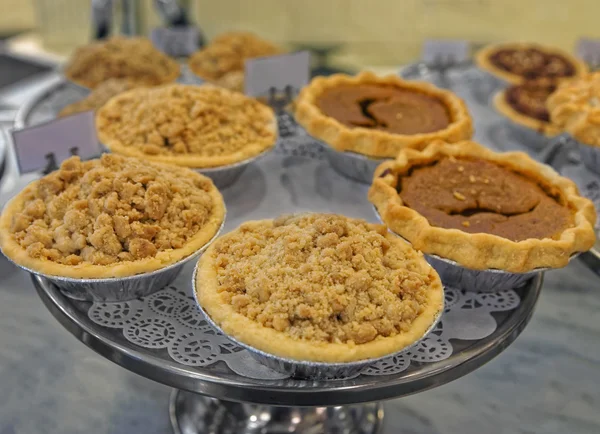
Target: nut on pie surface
[[132, 59], [318, 287], [379, 116], [481, 209], [517, 62], [193, 126], [525, 104], [110, 217], [222, 61], [575, 107]]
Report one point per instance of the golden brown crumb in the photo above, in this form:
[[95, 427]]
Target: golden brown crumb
[[111, 210], [134, 59], [98, 97], [458, 195], [322, 278], [178, 120]]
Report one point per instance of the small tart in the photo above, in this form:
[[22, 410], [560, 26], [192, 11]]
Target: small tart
[[481, 209], [525, 104], [110, 217], [517, 62], [575, 107], [98, 97], [319, 287], [222, 61], [192, 126], [132, 59], [379, 116]]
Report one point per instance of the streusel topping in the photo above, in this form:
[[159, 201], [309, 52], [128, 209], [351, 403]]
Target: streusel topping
[[111, 210], [323, 278], [179, 120], [134, 59]]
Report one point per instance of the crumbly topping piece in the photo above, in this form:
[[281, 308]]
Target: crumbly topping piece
[[222, 61], [98, 97], [178, 120], [323, 278], [112, 210], [478, 196], [134, 59]]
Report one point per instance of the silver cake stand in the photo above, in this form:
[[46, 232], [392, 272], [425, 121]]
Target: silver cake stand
[[213, 398]]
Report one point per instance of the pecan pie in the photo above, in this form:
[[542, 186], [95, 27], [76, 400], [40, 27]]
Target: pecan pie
[[481, 209], [379, 116], [575, 107], [98, 97], [525, 104], [518, 62], [133, 59], [110, 217], [193, 126], [222, 61], [319, 287]]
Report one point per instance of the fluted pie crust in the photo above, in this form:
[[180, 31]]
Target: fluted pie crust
[[503, 107], [211, 288], [482, 250], [575, 106], [372, 142]]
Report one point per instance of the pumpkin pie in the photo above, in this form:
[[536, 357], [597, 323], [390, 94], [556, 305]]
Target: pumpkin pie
[[525, 105], [97, 97], [222, 62], [379, 116], [318, 287], [481, 209], [110, 217], [133, 59], [575, 107], [518, 62], [193, 126]]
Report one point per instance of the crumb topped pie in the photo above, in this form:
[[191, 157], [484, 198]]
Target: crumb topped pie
[[133, 59], [575, 106], [481, 209], [110, 217], [193, 126], [519, 61], [222, 61], [97, 97], [525, 104], [379, 116], [318, 287]]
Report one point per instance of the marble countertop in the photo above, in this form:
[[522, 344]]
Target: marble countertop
[[546, 382]]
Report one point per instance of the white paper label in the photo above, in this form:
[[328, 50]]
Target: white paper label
[[445, 51], [589, 50], [177, 41], [46, 145], [277, 72]]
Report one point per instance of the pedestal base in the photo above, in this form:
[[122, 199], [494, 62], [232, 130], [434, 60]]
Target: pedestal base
[[196, 414]]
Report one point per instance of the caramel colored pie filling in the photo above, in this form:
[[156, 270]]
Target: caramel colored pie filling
[[322, 278], [477, 196], [111, 210], [530, 98], [532, 63], [386, 108]]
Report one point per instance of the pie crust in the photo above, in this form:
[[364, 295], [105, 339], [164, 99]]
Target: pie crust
[[222, 62], [481, 251], [292, 335], [91, 224], [371, 142], [575, 106], [192, 126], [133, 59], [482, 59], [503, 107]]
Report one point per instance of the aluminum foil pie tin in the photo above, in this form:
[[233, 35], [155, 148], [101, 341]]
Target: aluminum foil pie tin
[[307, 369], [528, 137], [356, 166], [590, 155], [121, 288], [224, 176]]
